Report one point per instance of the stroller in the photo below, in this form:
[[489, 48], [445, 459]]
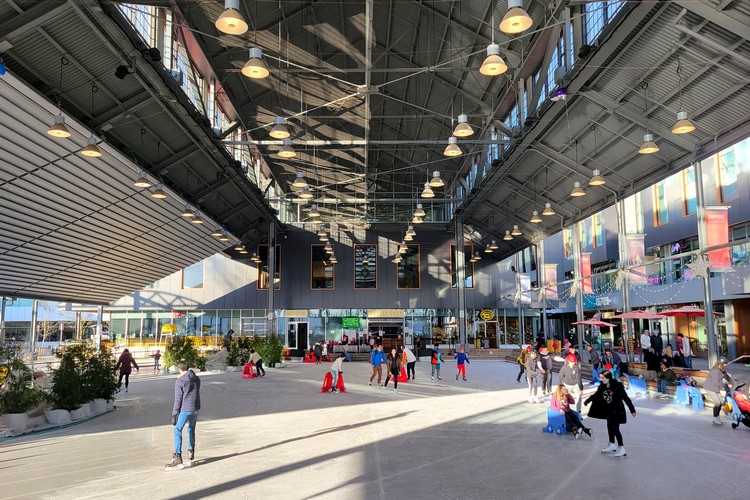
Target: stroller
[[738, 404]]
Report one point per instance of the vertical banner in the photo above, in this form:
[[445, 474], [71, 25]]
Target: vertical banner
[[636, 253], [717, 233], [550, 281], [586, 272], [525, 280]]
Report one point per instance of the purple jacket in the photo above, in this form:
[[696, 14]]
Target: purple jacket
[[187, 393], [125, 363]]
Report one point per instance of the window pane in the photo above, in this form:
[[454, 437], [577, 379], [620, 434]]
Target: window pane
[[688, 191], [321, 270], [468, 267], [365, 266], [192, 277], [661, 211], [408, 268], [727, 176], [263, 276]]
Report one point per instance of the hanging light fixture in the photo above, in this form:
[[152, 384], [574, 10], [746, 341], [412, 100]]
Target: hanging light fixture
[[436, 180], [410, 231], [255, 67], [419, 212], [577, 190], [323, 238], [408, 237], [683, 125], [142, 182], [477, 256], [328, 248], [463, 129], [416, 220], [648, 146], [314, 211], [516, 20], [493, 64], [427, 192], [159, 194], [279, 130], [548, 210], [316, 221], [472, 259], [197, 219], [287, 151], [322, 230], [299, 181], [231, 21], [224, 236], [243, 251], [91, 148], [535, 219], [493, 245], [488, 249], [58, 128], [516, 231], [216, 233], [452, 149], [305, 194], [597, 179], [403, 248], [507, 236], [333, 259], [397, 259], [365, 260], [239, 246], [187, 212], [255, 258]]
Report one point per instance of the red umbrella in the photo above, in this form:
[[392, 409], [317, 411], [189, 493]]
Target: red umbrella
[[639, 314], [593, 322], [687, 311]]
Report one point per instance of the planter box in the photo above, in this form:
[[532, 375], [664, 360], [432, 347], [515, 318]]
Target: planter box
[[86, 409], [233, 368], [111, 404], [78, 414], [98, 406], [17, 422], [57, 417]]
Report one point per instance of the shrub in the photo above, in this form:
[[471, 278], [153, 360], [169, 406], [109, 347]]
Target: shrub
[[273, 349], [70, 387], [100, 376], [239, 351], [18, 392], [182, 348]]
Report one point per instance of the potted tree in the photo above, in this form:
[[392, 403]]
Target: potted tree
[[100, 379], [18, 392], [273, 350], [68, 391]]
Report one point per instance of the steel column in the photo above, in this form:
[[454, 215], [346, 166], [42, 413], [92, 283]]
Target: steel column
[[713, 345]]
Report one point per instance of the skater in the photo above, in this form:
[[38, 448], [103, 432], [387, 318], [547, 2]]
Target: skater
[[561, 401], [157, 357], [570, 377], [607, 404], [336, 368], [545, 368], [318, 352], [394, 368], [125, 364], [685, 352], [187, 402], [437, 358], [324, 351], [461, 358], [521, 360], [716, 379], [410, 360], [257, 360], [376, 361], [531, 373], [594, 361]]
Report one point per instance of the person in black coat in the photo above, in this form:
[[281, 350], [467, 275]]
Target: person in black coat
[[607, 404]]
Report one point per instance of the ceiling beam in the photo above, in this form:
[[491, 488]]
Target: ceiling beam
[[737, 23]]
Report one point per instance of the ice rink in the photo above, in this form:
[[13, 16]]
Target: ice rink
[[278, 437]]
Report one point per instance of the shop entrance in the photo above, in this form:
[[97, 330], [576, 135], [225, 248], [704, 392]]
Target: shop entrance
[[390, 333], [297, 335], [486, 330]]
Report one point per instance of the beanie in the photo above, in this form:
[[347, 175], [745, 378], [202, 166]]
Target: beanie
[[571, 358]]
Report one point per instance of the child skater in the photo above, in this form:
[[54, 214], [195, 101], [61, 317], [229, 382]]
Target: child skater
[[461, 358]]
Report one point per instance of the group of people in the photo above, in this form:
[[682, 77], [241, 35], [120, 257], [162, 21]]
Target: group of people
[[403, 356], [655, 351]]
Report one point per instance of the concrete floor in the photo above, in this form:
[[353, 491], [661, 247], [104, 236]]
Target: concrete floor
[[278, 437]]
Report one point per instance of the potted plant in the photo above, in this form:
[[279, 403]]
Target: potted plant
[[18, 392], [68, 390], [239, 353], [182, 348], [100, 379], [273, 350]]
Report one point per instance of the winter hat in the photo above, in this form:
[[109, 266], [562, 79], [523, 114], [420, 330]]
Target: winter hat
[[571, 358], [608, 367], [528, 348], [461, 349]]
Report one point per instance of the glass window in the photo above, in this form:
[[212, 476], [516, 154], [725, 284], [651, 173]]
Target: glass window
[[192, 277], [727, 176], [365, 267], [321, 269], [634, 214], [661, 208], [688, 191], [596, 223], [584, 234], [468, 267], [263, 275], [408, 268], [568, 242], [596, 16]]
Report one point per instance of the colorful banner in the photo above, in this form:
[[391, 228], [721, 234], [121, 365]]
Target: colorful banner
[[636, 255], [550, 281], [525, 281], [717, 233], [586, 272]]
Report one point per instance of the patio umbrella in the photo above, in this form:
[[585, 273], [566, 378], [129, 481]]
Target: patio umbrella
[[687, 311], [640, 314], [599, 323]]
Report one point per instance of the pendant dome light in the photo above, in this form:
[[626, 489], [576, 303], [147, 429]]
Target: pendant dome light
[[488, 249], [287, 151], [365, 260], [463, 129], [299, 181], [255, 67], [397, 259], [516, 20], [305, 194], [597, 179], [436, 180], [216, 233], [322, 230], [477, 256], [683, 125], [142, 182], [243, 251], [535, 219], [91, 149], [410, 231], [197, 219], [58, 128], [416, 220], [328, 248], [577, 190], [493, 245], [452, 149], [255, 258], [239, 246], [159, 194], [279, 130], [493, 64], [231, 21], [427, 192], [314, 212], [419, 212], [408, 237], [648, 146], [224, 236], [507, 236], [516, 231], [333, 259], [548, 210], [187, 212]]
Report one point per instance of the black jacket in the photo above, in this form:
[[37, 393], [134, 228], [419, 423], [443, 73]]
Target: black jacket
[[607, 402], [187, 393], [594, 358]]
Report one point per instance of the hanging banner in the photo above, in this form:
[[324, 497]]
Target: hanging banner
[[550, 281], [636, 254], [525, 280], [717, 233], [586, 272]]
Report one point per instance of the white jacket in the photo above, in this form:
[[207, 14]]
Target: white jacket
[[338, 365], [645, 341], [686, 351], [410, 357]]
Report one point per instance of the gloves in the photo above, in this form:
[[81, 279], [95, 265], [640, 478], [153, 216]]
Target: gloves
[[174, 420]]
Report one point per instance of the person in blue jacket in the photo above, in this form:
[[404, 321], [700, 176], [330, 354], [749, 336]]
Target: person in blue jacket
[[376, 360], [461, 358]]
